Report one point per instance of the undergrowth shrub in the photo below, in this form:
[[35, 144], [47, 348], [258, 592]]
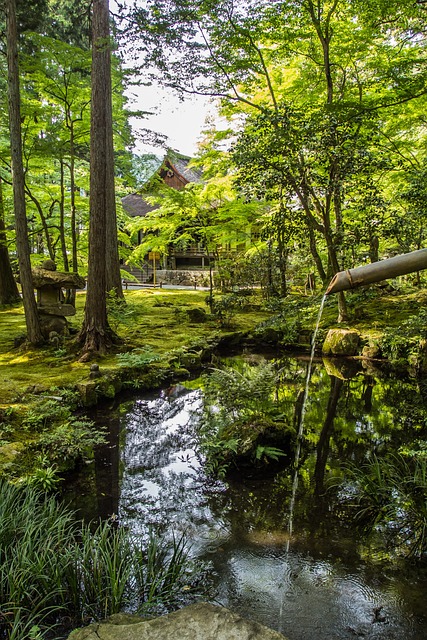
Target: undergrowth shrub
[[242, 418], [121, 312], [401, 343], [138, 358]]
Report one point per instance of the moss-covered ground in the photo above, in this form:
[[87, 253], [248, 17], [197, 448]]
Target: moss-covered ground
[[152, 318]]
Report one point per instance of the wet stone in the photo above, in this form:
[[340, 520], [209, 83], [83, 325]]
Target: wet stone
[[197, 622]]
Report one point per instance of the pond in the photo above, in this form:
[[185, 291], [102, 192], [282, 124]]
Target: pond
[[281, 545]]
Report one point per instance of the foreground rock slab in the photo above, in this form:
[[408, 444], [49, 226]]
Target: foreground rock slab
[[197, 622]]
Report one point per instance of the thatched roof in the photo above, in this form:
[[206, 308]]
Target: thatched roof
[[180, 164], [135, 205]]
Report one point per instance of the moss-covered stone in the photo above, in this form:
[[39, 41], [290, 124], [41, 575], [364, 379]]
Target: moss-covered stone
[[341, 342], [8, 453], [197, 315], [88, 394]]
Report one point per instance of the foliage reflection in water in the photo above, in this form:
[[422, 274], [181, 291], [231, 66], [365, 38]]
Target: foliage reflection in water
[[329, 579]]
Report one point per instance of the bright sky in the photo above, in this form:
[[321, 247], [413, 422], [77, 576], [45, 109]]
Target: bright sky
[[181, 122]]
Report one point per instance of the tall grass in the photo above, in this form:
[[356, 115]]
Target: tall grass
[[391, 496], [56, 573]]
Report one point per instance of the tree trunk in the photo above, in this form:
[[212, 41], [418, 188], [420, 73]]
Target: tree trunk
[[114, 281], [95, 335], [34, 333], [9, 293], [62, 219], [73, 202], [315, 254]]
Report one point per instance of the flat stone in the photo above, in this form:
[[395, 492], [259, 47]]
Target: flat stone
[[57, 279], [197, 622]]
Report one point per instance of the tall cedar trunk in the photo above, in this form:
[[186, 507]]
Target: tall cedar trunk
[[31, 316], [114, 282], [9, 293], [62, 219], [73, 201], [95, 333]]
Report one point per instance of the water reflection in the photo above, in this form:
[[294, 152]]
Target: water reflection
[[324, 580]]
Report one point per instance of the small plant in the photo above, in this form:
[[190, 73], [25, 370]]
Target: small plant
[[138, 358], [225, 307], [60, 353], [264, 452], [217, 452], [44, 477], [69, 440], [43, 413], [389, 494], [120, 312]]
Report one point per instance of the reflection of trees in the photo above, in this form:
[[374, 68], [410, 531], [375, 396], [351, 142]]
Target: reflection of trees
[[346, 421], [107, 463], [367, 392], [323, 443]]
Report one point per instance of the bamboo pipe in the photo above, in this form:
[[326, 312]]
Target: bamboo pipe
[[377, 271]]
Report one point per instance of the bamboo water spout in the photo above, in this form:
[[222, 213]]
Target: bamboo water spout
[[377, 271]]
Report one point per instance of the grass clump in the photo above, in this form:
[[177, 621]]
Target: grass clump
[[56, 574], [389, 495]]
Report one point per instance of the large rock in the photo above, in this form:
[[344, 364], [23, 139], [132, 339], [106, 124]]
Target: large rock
[[197, 622], [341, 342]]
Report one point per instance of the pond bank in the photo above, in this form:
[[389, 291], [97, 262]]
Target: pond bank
[[167, 335]]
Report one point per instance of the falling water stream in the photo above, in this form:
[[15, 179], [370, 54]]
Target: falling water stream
[[276, 553], [300, 431]]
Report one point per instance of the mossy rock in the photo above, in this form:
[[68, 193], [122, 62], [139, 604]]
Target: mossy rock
[[341, 342], [201, 621], [197, 315], [371, 351], [9, 453], [87, 392], [191, 360], [252, 434]]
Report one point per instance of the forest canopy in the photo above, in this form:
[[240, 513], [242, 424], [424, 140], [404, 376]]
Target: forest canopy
[[321, 131]]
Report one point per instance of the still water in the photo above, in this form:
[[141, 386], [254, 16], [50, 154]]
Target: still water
[[282, 553]]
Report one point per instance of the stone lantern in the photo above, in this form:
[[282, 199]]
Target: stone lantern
[[52, 310]]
